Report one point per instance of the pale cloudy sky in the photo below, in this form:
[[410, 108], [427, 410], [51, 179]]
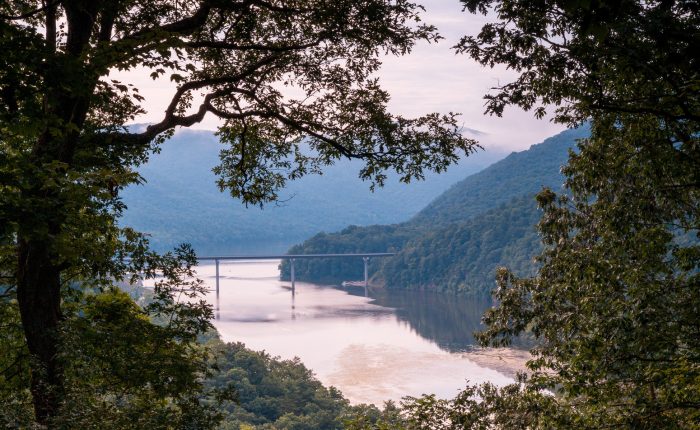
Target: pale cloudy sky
[[431, 79]]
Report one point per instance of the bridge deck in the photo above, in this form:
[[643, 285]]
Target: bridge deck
[[296, 256]]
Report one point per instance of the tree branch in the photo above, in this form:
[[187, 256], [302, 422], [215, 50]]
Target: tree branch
[[252, 47], [31, 13], [183, 26], [304, 127]]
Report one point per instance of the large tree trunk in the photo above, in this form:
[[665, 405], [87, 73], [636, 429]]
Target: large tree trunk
[[39, 298], [39, 265], [39, 283]]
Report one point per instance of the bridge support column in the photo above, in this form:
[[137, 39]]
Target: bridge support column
[[292, 276], [217, 278], [217, 288], [366, 260]]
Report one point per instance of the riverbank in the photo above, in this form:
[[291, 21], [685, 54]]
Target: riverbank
[[381, 372]]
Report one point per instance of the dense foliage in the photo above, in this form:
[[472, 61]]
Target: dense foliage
[[463, 257], [615, 303], [269, 393], [455, 243], [65, 152], [129, 365], [581, 59]]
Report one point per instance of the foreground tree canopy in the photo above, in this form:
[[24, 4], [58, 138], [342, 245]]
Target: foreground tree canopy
[[291, 80], [615, 304]]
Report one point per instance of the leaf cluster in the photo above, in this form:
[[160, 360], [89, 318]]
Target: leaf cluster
[[588, 57], [614, 304]]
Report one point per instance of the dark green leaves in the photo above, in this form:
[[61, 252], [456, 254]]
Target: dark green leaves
[[581, 57], [614, 305]]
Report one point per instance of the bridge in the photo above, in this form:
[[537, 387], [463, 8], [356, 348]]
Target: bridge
[[292, 258]]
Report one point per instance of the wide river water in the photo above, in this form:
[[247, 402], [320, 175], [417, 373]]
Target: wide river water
[[381, 347]]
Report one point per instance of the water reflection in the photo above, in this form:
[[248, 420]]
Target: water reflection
[[447, 320]]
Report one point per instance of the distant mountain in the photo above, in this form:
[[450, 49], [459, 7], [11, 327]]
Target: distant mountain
[[181, 203], [456, 242], [519, 173]]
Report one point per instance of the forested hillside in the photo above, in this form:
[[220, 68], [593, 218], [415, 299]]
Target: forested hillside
[[457, 241], [267, 392], [520, 173], [461, 257], [180, 201]]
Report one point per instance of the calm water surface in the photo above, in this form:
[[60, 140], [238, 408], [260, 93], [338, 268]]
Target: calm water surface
[[376, 348]]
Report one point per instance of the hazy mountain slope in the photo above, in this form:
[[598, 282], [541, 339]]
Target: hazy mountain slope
[[458, 240], [520, 173], [180, 201]]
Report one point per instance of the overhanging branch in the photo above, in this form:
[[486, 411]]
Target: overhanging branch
[[31, 13]]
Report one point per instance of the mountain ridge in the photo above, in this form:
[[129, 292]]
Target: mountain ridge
[[488, 216], [180, 201]]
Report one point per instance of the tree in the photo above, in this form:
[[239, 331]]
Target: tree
[[593, 58], [127, 364], [291, 80], [614, 305]]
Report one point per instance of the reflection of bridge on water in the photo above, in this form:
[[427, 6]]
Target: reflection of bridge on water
[[292, 258]]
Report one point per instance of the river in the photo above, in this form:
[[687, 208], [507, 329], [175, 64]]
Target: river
[[376, 348]]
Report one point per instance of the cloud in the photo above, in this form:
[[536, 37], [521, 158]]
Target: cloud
[[434, 78]]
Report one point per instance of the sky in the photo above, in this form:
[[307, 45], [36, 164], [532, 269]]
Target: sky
[[433, 78]]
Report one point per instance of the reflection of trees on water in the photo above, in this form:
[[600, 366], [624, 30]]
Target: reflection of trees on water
[[445, 319]]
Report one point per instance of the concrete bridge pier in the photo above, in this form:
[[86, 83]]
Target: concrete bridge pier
[[217, 288], [366, 260], [292, 276]]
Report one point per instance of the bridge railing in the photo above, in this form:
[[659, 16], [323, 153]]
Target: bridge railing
[[297, 256]]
